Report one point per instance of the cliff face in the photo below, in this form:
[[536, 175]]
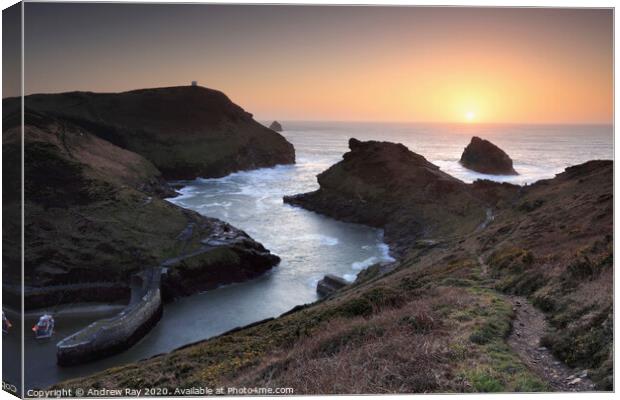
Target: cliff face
[[550, 241], [439, 320], [386, 185], [93, 213], [186, 132]]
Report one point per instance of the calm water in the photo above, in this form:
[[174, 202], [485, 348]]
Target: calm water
[[309, 244]]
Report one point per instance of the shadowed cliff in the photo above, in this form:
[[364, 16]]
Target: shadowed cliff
[[439, 318], [185, 131], [94, 215]]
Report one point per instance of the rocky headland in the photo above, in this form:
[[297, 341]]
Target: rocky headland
[[497, 287], [385, 185], [94, 213], [185, 132], [482, 156], [95, 172]]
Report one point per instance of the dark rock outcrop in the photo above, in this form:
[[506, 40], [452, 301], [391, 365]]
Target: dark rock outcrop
[[482, 156], [226, 255], [385, 185], [330, 284], [559, 253], [94, 216], [276, 126], [186, 131]]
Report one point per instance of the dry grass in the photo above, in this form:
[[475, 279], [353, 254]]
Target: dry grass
[[397, 351], [415, 348]]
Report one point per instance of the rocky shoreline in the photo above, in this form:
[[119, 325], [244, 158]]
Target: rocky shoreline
[[463, 250], [343, 195], [374, 181], [95, 209], [96, 169]]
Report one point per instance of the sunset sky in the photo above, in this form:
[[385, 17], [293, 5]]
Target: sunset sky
[[337, 63]]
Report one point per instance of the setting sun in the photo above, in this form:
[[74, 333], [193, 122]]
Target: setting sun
[[470, 116]]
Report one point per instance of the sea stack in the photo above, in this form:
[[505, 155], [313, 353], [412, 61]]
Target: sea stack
[[482, 156], [276, 126]]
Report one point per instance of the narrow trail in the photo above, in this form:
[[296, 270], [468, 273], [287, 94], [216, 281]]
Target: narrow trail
[[528, 328]]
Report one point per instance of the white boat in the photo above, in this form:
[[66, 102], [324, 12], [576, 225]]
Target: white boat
[[6, 324], [44, 329]]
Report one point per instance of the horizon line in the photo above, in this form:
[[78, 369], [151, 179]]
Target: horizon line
[[452, 122], [435, 122]]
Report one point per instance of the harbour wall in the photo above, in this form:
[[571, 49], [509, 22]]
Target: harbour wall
[[113, 335]]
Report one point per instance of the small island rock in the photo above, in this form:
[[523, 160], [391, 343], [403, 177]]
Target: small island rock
[[482, 156], [276, 126]]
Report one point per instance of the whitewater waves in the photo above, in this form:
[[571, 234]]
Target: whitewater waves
[[528, 173], [310, 245]]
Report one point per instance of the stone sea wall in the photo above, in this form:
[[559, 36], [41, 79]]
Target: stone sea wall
[[112, 335]]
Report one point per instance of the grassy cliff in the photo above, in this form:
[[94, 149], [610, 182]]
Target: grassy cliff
[[439, 319], [185, 131], [94, 213]]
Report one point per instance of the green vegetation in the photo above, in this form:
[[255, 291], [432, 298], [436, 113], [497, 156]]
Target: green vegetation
[[440, 320], [345, 344], [93, 211], [578, 303]]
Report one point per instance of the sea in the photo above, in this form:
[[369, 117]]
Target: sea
[[311, 245]]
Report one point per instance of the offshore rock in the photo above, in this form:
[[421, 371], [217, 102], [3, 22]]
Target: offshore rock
[[482, 156], [276, 126]]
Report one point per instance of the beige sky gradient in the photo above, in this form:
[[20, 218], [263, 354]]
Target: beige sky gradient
[[338, 63]]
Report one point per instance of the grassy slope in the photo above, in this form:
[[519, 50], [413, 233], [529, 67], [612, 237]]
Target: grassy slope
[[435, 323], [184, 131], [556, 247], [89, 216], [395, 334]]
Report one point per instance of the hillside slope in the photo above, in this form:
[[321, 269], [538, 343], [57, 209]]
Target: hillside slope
[[93, 214], [438, 320], [185, 131]]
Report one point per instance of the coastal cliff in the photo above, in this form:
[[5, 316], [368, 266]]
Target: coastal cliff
[[387, 186], [185, 131], [449, 314], [95, 213]]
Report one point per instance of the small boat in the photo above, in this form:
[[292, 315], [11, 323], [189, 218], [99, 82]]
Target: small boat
[[44, 329], [6, 324]]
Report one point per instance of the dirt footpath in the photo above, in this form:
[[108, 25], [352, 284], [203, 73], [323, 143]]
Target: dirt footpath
[[529, 326]]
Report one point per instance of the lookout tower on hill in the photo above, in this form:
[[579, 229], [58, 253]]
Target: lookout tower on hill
[[194, 83]]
